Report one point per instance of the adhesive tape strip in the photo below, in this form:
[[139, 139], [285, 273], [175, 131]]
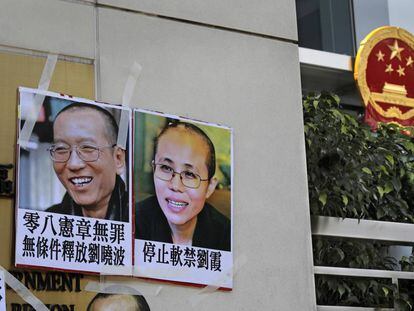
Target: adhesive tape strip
[[201, 294], [123, 129], [23, 292], [134, 73], [48, 72], [44, 83], [33, 112]]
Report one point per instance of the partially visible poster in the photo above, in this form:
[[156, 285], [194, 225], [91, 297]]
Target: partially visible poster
[[2, 292], [65, 291], [73, 199], [183, 200], [130, 299]]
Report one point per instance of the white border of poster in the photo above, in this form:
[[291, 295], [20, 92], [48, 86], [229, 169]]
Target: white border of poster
[[207, 258], [63, 234], [2, 292]]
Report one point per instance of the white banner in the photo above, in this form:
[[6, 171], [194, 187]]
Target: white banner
[[183, 263], [71, 242]]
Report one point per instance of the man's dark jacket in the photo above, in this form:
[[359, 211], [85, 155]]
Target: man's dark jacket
[[117, 207]]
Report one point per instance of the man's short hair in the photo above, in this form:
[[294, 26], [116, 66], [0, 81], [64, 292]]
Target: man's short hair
[[211, 157], [142, 304], [111, 129]]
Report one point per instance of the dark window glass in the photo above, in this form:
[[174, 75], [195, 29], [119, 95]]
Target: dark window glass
[[326, 25]]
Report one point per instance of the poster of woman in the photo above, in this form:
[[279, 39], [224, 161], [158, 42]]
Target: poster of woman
[[183, 206]]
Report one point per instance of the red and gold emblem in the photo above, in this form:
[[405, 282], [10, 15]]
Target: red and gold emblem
[[384, 71]]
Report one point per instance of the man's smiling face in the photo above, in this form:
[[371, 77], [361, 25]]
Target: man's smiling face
[[182, 150], [90, 184]]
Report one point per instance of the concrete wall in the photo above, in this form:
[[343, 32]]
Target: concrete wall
[[229, 62]]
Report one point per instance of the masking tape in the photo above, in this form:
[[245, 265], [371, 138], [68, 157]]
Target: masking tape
[[48, 72], [23, 292], [157, 292], [134, 73], [203, 293], [123, 129], [37, 103]]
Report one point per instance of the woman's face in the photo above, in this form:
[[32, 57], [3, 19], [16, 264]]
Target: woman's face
[[182, 150]]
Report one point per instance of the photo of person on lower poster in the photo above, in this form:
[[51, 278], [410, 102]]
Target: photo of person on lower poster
[[74, 185], [183, 173], [118, 302]]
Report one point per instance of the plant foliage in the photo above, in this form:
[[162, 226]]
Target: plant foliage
[[352, 254], [360, 292], [352, 171], [356, 173]]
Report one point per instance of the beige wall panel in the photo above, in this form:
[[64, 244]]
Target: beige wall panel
[[253, 85], [270, 17], [48, 25]]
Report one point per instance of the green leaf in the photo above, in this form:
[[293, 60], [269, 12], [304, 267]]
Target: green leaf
[[336, 98], [386, 291], [388, 188], [322, 198], [315, 104], [341, 290], [384, 169], [390, 159], [345, 199], [340, 253], [338, 115], [409, 146], [381, 191], [396, 183], [362, 286], [367, 170], [380, 213]]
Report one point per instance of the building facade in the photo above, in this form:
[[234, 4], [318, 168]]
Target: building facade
[[234, 62]]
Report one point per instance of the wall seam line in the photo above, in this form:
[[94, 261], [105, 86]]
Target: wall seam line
[[202, 24]]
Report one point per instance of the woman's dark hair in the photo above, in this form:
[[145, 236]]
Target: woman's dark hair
[[211, 157]]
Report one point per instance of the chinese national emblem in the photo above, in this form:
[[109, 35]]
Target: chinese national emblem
[[384, 71]]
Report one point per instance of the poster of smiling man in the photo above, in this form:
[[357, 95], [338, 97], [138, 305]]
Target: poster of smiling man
[[74, 184], [183, 205]]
